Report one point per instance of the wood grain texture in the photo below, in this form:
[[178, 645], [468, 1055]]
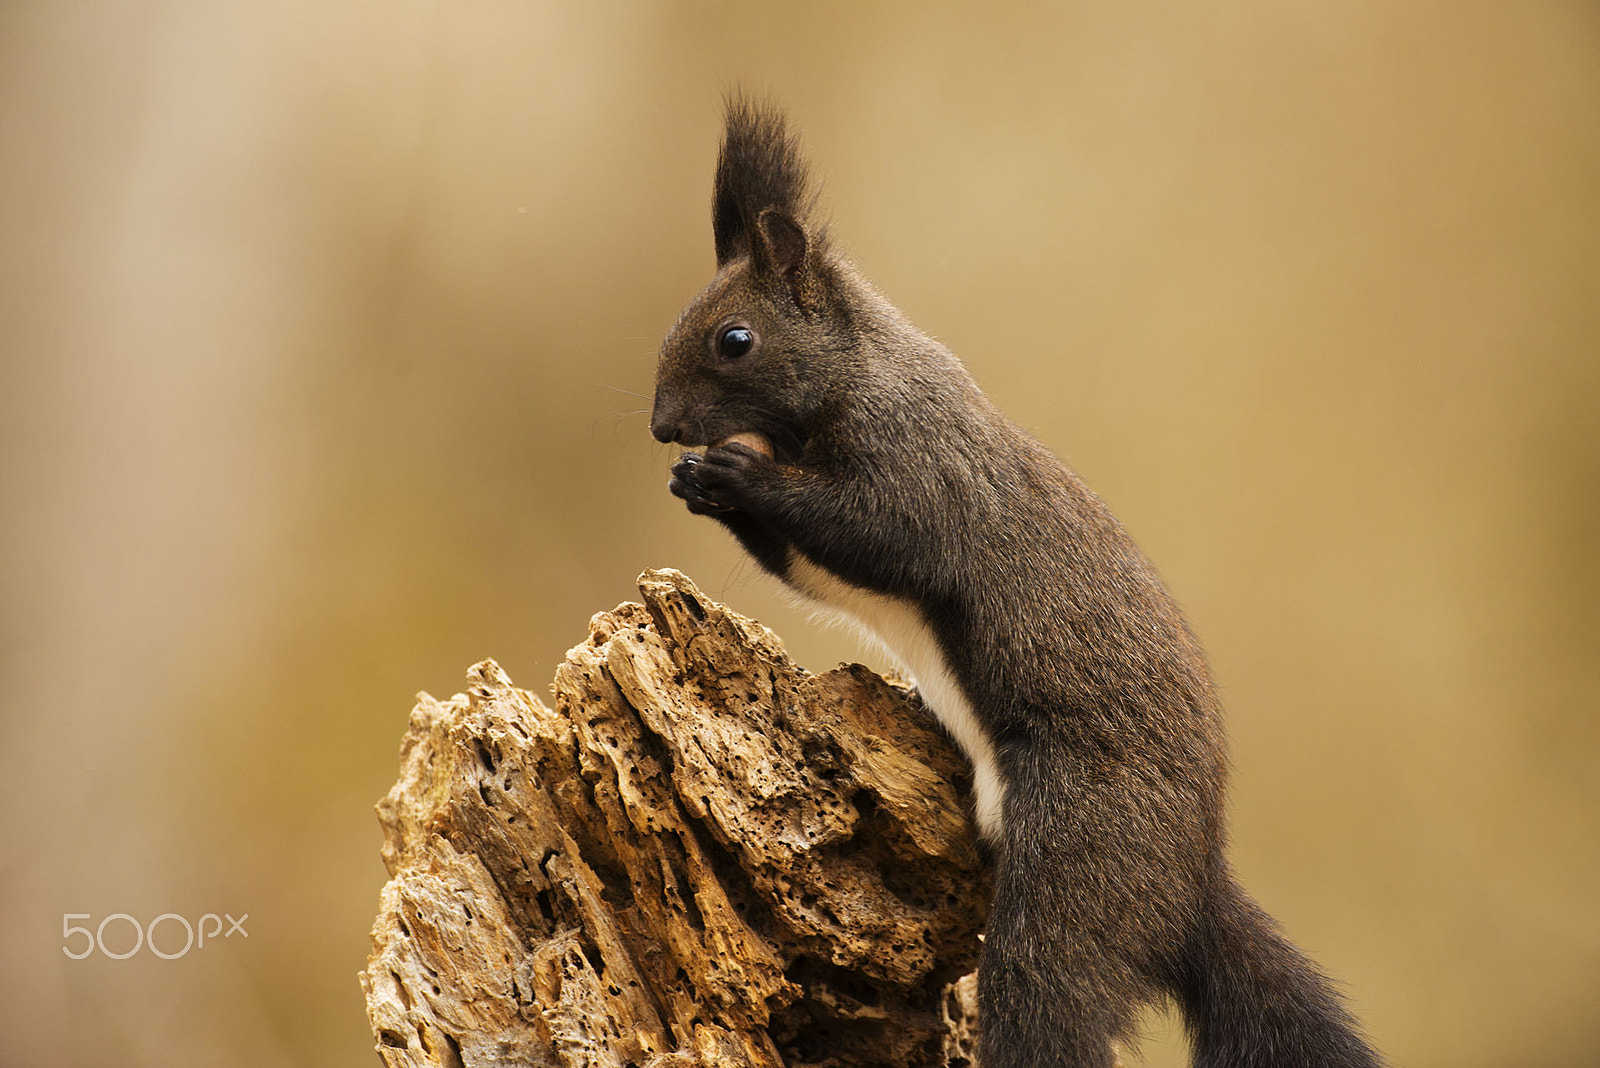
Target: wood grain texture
[[702, 855]]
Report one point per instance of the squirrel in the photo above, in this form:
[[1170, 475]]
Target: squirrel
[[856, 459]]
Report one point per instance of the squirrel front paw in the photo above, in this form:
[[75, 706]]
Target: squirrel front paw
[[717, 482], [685, 484]]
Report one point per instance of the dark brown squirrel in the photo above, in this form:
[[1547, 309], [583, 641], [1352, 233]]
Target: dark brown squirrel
[[856, 459]]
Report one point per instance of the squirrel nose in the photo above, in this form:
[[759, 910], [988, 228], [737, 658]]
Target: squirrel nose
[[664, 430], [666, 421]]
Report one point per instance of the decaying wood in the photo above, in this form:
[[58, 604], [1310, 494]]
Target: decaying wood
[[702, 856]]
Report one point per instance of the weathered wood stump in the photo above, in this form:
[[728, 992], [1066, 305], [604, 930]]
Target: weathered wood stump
[[704, 855]]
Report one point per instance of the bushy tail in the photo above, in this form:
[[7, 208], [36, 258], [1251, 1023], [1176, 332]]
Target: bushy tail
[[1251, 1000]]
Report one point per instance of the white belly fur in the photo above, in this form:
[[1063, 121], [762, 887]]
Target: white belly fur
[[898, 627]]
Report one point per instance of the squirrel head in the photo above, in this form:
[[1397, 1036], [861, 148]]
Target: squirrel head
[[757, 349]]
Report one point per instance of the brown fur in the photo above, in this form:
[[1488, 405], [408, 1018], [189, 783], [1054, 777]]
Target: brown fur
[[892, 472]]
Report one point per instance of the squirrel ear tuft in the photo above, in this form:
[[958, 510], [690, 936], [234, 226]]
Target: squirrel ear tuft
[[759, 168]]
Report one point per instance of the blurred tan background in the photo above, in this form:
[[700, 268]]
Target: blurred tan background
[[328, 329]]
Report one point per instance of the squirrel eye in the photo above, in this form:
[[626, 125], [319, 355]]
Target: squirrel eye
[[735, 341]]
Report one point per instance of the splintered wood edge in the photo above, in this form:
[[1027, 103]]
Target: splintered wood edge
[[497, 942]]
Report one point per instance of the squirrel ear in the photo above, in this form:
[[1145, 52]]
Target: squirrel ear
[[783, 248], [759, 168], [783, 241]]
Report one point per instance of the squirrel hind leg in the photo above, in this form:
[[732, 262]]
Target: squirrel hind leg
[[1056, 1021], [1049, 998]]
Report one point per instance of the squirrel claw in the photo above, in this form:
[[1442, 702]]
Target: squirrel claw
[[685, 486]]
